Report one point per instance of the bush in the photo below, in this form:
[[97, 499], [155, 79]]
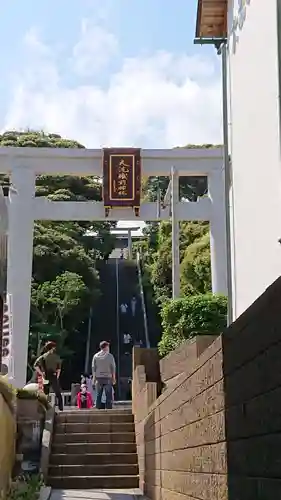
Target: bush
[[187, 317], [8, 392], [30, 394], [25, 488]]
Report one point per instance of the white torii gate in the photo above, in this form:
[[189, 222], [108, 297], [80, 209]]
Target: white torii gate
[[24, 164], [128, 232]]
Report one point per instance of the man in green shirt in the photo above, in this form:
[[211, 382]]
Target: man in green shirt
[[48, 365]]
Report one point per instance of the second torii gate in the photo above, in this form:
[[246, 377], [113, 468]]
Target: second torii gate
[[128, 231]]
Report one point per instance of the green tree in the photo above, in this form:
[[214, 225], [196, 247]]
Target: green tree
[[191, 188], [60, 302], [56, 308], [194, 258], [195, 272]]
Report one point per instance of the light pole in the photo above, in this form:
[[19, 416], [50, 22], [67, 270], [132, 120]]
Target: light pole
[[175, 234], [117, 325], [87, 355], [171, 200], [221, 46]]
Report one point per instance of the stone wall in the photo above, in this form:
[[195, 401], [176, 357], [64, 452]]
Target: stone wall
[[252, 368], [7, 446], [215, 431], [180, 435], [176, 362]]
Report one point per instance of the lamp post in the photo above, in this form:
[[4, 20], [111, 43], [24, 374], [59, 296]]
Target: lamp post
[[221, 46], [175, 234], [171, 200]]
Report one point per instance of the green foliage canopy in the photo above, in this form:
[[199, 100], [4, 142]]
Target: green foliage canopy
[[187, 317]]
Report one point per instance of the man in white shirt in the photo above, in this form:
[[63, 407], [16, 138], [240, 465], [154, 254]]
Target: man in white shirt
[[127, 338], [124, 308], [104, 374], [127, 341]]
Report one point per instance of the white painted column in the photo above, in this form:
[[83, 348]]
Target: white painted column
[[130, 248], [175, 235], [218, 232], [19, 271]]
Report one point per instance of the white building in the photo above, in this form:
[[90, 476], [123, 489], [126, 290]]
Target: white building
[[251, 29]]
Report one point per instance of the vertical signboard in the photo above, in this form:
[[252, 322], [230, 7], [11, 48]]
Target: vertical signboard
[[121, 178], [7, 355]]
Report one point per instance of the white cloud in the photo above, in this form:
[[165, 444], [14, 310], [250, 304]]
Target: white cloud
[[94, 50], [161, 100], [34, 44]]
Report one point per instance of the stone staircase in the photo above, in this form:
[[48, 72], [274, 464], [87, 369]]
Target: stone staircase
[[94, 449]]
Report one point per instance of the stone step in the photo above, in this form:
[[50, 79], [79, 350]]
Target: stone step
[[105, 427], [94, 417], [93, 482], [75, 411], [81, 437], [80, 448], [94, 470], [122, 404], [94, 458]]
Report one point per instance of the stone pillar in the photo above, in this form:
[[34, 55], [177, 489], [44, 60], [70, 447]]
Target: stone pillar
[[130, 249], [19, 269], [175, 235], [218, 232]]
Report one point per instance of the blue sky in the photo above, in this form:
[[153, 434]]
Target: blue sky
[[141, 25], [109, 72]]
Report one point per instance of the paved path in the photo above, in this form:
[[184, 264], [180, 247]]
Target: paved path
[[95, 494]]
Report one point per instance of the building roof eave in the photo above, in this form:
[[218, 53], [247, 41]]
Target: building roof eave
[[211, 22]]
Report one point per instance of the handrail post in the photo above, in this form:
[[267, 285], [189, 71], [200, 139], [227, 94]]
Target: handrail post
[[143, 302]]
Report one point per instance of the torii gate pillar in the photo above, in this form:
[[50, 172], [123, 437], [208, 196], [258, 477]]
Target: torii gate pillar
[[218, 232], [19, 270]]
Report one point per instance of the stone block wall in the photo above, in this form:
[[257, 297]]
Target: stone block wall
[[215, 431], [180, 435], [252, 384], [177, 361], [7, 446]]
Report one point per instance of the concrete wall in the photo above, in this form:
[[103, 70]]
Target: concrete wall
[[255, 150], [251, 358], [215, 431], [7, 446], [177, 361], [180, 435]]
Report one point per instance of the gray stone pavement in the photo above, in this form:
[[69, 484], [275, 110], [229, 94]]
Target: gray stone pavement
[[95, 494]]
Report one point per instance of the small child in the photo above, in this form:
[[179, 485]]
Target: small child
[[84, 398]]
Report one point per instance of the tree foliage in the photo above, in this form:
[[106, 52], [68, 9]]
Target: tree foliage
[[194, 249], [187, 317], [62, 301], [190, 188]]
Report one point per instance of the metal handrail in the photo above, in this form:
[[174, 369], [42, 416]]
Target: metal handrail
[[143, 301]]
